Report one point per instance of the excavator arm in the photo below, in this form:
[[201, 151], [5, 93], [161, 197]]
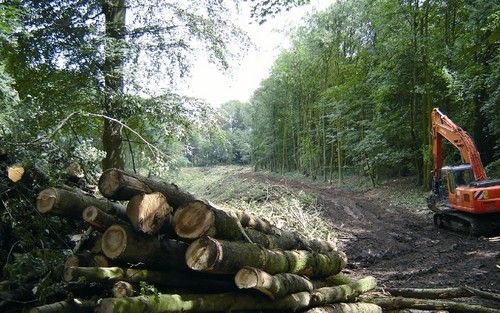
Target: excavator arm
[[444, 127]]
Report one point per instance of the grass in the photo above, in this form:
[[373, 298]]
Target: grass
[[226, 187]]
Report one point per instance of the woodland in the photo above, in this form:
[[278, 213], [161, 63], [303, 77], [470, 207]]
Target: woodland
[[93, 83]]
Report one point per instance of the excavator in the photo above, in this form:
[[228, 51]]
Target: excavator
[[462, 196]]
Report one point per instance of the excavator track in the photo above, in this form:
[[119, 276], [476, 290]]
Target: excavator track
[[472, 224]]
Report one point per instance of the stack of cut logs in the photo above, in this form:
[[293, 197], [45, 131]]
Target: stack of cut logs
[[197, 257]]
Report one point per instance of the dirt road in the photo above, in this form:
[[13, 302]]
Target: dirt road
[[399, 245]]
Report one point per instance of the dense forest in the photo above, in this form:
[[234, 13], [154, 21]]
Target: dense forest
[[356, 89], [95, 81]]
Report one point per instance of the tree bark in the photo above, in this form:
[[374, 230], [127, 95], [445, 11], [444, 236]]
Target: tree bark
[[94, 274], [71, 204], [395, 303], [114, 59], [119, 185], [274, 286], [347, 308], [197, 219], [121, 243], [123, 289], [75, 306], [343, 293], [228, 302], [441, 293], [99, 219], [148, 212], [218, 256]]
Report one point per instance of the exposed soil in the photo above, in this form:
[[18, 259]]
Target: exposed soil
[[399, 245]]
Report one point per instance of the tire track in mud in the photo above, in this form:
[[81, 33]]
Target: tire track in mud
[[398, 245]]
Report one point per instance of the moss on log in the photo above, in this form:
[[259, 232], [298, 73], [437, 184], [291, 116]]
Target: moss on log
[[119, 185], [226, 257], [71, 204], [274, 286], [343, 293], [347, 308], [197, 219], [121, 243], [396, 303], [228, 302], [94, 274], [74, 306]]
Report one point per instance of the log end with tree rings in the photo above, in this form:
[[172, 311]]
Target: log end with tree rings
[[148, 212], [15, 172], [194, 220], [46, 200], [203, 254], [114, 241], [109, 182]]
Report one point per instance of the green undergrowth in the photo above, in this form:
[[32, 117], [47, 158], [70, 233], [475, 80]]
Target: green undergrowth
[[226, 187]]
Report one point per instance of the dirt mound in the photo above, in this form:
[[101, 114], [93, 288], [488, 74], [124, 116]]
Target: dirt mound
[[399, 244]]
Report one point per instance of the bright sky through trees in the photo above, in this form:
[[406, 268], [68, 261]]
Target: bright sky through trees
[[216, 87]]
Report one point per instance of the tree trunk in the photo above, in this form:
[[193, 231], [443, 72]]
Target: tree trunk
[[99, 219], [74, 306], [347, 308], [227, 302], [94, 274], [119, 185], [71, 204], [226, 257], [197, 219], [121, 243], [274, 286], [123, 289], [114, 59], [396, 303], [148, 212]]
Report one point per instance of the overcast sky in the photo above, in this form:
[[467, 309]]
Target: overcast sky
[[217, 87]]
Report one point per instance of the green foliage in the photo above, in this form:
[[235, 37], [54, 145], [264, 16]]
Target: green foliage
[[357, 86], [149, 290]]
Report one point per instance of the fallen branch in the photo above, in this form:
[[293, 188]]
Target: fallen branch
[[441, 293], [396, 303]]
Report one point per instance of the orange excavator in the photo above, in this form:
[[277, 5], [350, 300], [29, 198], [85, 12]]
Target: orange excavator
[[462, 197]]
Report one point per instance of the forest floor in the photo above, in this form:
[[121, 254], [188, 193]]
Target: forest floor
[[386, 231]]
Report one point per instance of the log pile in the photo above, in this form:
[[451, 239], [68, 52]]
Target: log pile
[[151, 247], [198, 258]]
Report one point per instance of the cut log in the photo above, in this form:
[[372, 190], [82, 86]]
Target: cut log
[[343, 293], [119, 185], [441, 293], [74, 306], [94, 274], [274, 286], [183, 279], [227, 302], [396, 303], [347, 308], [86, 258], [15, 172], [99, 219], [148, 212], [71, 204], [123, 289], [225, 257], [197, 219], [119, 242]]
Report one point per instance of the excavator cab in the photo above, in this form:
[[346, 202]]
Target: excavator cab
[[460, 175]]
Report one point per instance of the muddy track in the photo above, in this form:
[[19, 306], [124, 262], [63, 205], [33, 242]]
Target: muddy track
[[400, 246]]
